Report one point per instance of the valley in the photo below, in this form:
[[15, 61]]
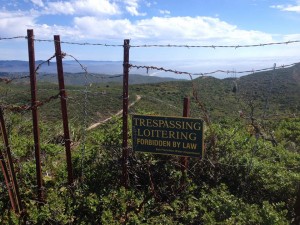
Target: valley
[[248, 175]]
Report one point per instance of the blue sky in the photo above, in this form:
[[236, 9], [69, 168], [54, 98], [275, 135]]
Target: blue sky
[[192, 22]]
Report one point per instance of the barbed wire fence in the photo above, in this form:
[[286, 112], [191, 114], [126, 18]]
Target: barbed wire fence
[[161, 68], [160, 45], [83, 99]]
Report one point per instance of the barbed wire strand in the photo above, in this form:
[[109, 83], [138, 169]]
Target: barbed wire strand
[[11, 38], [160, 45], [28, 106], [9, 80], [209, 73], [213, 46]]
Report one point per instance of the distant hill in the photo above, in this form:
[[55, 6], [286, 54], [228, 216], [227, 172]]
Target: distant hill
[[79, 79], [70, 66], [98, 72], [269, 93]]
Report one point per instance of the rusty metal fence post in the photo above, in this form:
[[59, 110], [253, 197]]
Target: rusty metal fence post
[[125, 114], [6, 176], [10, 167], [63, 101], [35, 119]]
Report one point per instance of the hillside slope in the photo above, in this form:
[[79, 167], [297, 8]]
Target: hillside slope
[[269, 93], [249, 174]]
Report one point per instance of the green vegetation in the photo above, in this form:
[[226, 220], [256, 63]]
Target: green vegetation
[[250, 173]]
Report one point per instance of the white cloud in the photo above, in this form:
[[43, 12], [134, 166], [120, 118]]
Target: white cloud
[[82, 7], [295, 8], [288, 8], [66, 8], [38, 3], [94, 28], [165, 12], [132, 7], [291, 37], [15, 23], [166, 30], [199, 30], [277, 6], [156, 30], [148, 4]]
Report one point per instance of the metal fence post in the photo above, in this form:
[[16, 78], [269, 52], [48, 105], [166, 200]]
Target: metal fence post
[[34, 110], [10, 164], [125, 114], [5, 172], [63, 101]]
